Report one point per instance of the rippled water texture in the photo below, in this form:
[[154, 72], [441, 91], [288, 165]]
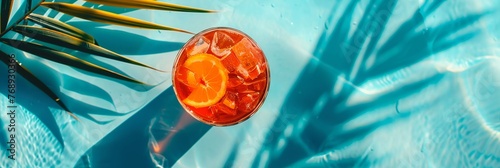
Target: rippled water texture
[[367, 83]]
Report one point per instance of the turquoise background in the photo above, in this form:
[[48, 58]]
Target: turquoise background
[[367, 83]]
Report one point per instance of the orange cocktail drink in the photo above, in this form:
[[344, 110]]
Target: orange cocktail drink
[[221, 76]]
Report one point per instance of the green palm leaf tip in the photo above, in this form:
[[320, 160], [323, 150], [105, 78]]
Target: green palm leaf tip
[[24, 72], [64, 40], [148, 4], [66, 59], [106, 17], [5, 15], [61, 27]]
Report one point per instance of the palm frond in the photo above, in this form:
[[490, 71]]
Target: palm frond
[[66, 59], [106, 17], [55, 32], [148, 4], [64, 40], [61, 27], [5, 15], [24, 72], [29, 76]]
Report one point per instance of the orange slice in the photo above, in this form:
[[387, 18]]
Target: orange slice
[[212, 85], [187, 77]]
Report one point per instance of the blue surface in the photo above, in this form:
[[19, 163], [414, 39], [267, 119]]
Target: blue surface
[[369, 83]]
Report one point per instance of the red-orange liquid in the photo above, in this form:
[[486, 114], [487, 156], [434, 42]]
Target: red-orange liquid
[[248, 75]]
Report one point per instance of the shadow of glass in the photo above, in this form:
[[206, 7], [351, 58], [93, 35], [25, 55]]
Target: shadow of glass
[[177, 130], [172, 123], [320, 114]]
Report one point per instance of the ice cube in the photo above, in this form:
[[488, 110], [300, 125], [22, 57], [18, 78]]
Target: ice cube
[[254, 74], [246, 74], [200, 46], [261, 67], [221, 44], [229, 100], [244, 55], [247, 61], [218, 108], [248, 101], [204, 112], [243, 89], [258, 85], [230, 62], [250, 59], [234, 80], [257, 53], [243, 45], [242, 72], [252, 86]]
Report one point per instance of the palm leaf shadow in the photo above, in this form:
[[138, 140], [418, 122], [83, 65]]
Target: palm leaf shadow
[[85, 109], [231, 160], [401, 52], [381, 100], [335, 44], [44, 114], [92, 59], [235, 151], [75, 84], [41, 110], [3, 138], [338, 138], [48, 120], [168, 109], [315, 73], [317, 80]]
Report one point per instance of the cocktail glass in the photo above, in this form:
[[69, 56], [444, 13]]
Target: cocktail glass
[[239, 70]]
